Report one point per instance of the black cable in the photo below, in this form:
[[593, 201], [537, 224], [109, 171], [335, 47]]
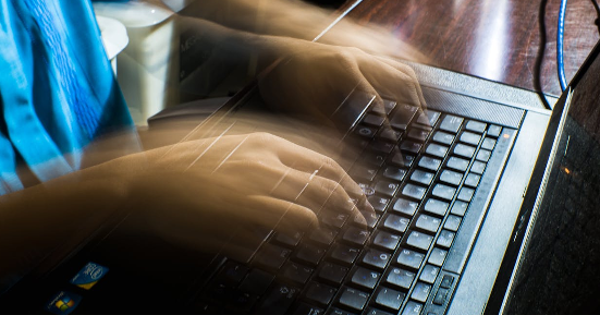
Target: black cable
[[597, 20], [537, 70]]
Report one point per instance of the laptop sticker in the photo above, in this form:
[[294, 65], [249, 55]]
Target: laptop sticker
[[89, 275], [63, 303]]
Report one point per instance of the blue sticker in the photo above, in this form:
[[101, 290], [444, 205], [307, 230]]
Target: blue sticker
[[63, 303], [89, 275]]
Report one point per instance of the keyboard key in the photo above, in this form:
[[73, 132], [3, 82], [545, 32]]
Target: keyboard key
[[381, 146], [452, 223], [459, 208], [429, 274], [337, 311], [414, 191], [494, 131], [370, 218], [437, 256], [412, 308], [483, 155], [445, 239], [430, 163], [400, 278], [390, 298], [410, 258], [391, 135], [364, 131], [488, 144], [374, 311], [451, 123], [287, 239], [422, 177], [403, 116], [419, 240], [306, 309], [443, 137], [458, 164], [421, 292], [310, 254], [256, 282], [335, 220], [376, 258], [443, 191], [440, 297], [296, 272], [365, 278], [353, 299], [373, 120], [470, 138], [278, 299], [385, 108], [472, 180], [418, 134], [356, 236], [463, 150], [476, 126], [405, 206], [437, 150], [478, 167], [320, 293], [232, 274], [396, 223], [374, 159], [333, 273], [386, 188], [437, 207], [378, 203], [429, 118], [364, 173], [344, 254], [466, 194], [410, 147], [386, 240], [428, 223], [451, 177], [272, 256], [394, 173], [447, 281], [323, 236]]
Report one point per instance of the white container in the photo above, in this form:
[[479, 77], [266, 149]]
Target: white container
[[114, 38]]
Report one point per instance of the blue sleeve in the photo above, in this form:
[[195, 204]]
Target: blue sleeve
[[57, 89]]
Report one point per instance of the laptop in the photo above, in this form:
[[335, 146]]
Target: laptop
[[489, 208]]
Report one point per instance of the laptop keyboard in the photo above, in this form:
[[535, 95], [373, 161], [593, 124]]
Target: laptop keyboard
[[420, 194]]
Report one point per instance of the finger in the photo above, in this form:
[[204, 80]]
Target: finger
[[284, 215], [410, 72]]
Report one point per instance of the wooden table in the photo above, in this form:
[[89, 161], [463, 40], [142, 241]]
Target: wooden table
[[499, 40]]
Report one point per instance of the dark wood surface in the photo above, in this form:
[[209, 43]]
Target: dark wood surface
[[500, 40]]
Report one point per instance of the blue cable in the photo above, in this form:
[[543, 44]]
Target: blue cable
[[559, 44]]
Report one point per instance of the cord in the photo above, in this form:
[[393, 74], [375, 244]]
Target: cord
[[559, 44]]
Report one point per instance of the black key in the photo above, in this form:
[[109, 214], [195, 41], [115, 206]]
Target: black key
[[337, 311], [344, 254], [428, 223], [494, 131], [396, 223], [476, 126], [378, 203], [374, 311], [232, 274], [364, 173], [403, 160], [470, 138], [430, 163], [272, 256], [437, 256], [373, 120], [422, 177], [488, 144], [374, 159], [356, 236], [466, 194], [418, 134], [445, 239], [310, 254], [412, 308], [385, 108], [386, 240], [429, 118], [389, 134], [257, 282], [364, 131], [386, 188], [365, 278], [410, 258], [278, 299], [366, 188], [463, 150], [478, 167], [437, 150], [376, 258], [452, 223], [323, 236], [414, 191], [320, 293], [241, 302], [443, 137], [390, 298], [370, 218], [451, 177], [353, 299], [429, 274], [440, 297], [421, 292], [394, 173], [447, 281], [403, 116], [220, 292], [419, 240], [458, 164], [296, 272], [437, 207], [306, 309], [333, 273], [289, 239], [443, 191], [472, 180], [451, 123], [400, 278], [381, 146], [483, 155], [410, 147], [405, 206], [459, 208], [336, 220]]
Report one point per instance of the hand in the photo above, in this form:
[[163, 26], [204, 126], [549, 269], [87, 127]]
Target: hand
[[315, 79]]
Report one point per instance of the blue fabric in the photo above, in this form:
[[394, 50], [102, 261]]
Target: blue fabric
[[57, 89]]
